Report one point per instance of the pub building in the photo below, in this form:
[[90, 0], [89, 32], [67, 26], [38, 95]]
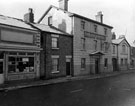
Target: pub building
[[19, 50]]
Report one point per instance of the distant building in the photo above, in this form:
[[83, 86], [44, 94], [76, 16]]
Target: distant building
[[91, 41], [120, 54], [132, 56], [19, 50]]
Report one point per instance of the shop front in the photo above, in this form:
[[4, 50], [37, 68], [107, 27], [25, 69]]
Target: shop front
[[19, 64]]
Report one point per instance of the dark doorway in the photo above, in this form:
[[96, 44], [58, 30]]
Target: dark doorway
[[114, 63], [97, 66], [68, 68]]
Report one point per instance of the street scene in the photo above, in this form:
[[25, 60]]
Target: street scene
[[118, 90], [67, 53]]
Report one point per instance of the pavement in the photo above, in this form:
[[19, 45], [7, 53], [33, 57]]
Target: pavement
[[33, 83]]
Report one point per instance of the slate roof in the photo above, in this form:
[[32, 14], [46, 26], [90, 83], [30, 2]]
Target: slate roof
[[117, 41], [49, 29], [10, 21], [72, 14]]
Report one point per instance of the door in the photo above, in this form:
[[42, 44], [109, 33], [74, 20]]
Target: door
[[68, 67], [114, 62], [96, 66]]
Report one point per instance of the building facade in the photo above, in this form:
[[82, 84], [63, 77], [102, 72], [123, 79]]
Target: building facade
[[132, 57], [120, 54], [56, 56], [19, 50], [91, 41]]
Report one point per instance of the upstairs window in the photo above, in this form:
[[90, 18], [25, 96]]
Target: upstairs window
[[123, 48], [50, 20], [113, 49], [95, 44], [82, 25], [54, 42], [105, 31], [83, 43], [95, 28]]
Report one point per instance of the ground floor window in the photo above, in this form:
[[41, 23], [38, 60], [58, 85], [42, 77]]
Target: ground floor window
[[20, 62], [105, 62], [83, 63], [55, 65]]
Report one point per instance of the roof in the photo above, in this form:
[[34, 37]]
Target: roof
[[10, 21], [132, 45], [49, 29], [72, 14], [117, 41]]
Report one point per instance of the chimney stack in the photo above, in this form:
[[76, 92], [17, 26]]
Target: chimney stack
[[99, 17], [63, 4], [113, 35], [29, 17]]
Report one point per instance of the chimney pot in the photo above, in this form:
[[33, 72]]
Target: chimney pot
[[63, 4], [29, 17], [99, 17]]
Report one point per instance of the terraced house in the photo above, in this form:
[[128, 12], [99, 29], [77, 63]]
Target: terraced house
[[56, 56], [91, 41]]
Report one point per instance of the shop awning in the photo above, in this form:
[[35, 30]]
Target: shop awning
[[96, 53], [19, 47]]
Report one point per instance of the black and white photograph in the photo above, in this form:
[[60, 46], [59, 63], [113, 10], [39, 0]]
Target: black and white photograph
[[67, 53]]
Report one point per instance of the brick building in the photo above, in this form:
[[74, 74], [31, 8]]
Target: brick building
[[132, 56], [56, 56], [91, 41]]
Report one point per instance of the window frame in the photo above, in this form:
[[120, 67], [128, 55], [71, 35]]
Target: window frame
[[83, 63], [55, 44], [55, 65]]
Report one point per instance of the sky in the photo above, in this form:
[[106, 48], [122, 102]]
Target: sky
[[117, 13]]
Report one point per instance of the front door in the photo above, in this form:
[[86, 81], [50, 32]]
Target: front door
[[68, 67], [114, 62], [96, 66]]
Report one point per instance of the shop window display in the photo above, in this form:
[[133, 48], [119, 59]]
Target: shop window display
[[18, 64]]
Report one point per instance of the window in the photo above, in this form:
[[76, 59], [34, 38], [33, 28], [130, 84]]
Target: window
[[50, 20], [83, 43], [105, 62], [132, 62], [113, 49], [125, 61], [95, 44], [54, 42], [82, 63], [95, 28], [121, 61], [82, 25], [18, 64], [106, 46], [105, 31], [123, 48], [55, 65]]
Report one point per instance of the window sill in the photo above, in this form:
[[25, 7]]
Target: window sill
[[55, 72], [82, 69], [55, 48], [12, 73]]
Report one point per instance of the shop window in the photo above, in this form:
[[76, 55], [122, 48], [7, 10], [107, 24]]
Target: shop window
[[20, 64]]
